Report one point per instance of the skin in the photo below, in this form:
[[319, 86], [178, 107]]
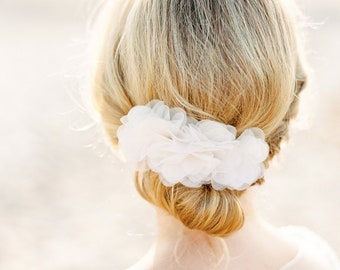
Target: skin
[[257, 245]]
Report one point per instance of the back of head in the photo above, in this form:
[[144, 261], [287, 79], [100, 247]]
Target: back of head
[[235, 62]]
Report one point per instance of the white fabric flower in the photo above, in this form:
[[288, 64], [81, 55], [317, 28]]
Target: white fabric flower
[[183, 150]]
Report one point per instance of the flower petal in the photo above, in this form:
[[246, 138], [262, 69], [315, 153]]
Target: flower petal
[[183, 150]]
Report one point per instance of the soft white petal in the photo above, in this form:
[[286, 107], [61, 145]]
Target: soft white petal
[[216, 132], [183, 150]]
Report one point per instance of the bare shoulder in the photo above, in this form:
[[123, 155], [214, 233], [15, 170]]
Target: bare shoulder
[[314, 252], [146, 262], [312, 263], [140, 265]]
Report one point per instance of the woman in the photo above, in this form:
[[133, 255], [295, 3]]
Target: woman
[[198, 96]]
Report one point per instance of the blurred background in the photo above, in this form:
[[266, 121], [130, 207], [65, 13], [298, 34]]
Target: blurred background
[[67, 203]]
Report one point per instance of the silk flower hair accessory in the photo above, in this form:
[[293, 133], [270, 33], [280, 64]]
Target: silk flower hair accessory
[[184, 150]]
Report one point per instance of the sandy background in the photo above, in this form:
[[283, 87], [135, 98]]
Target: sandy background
[[67, 203]]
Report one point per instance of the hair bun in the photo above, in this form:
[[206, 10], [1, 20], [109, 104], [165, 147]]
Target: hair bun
[[216, 212]]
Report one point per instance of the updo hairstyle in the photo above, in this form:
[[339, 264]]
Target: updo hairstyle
[[231, 61]]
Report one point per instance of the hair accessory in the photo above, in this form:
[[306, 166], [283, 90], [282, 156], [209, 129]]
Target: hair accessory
[[183, 150]]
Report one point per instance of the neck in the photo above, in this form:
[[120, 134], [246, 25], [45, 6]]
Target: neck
[[173, 235], [256, 245]]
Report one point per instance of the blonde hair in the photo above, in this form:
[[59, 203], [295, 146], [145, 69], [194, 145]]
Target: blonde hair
[[235, 62]]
